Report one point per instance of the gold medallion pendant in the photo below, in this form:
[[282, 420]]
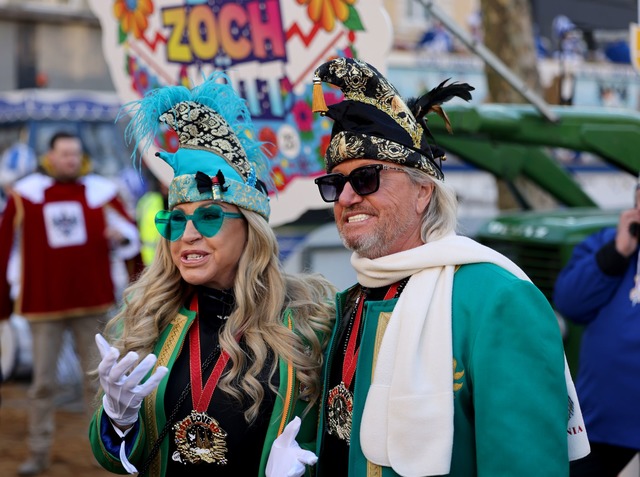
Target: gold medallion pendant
[[340, 409], [200, 438]]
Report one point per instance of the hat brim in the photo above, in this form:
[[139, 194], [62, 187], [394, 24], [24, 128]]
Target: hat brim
[[347, 145]]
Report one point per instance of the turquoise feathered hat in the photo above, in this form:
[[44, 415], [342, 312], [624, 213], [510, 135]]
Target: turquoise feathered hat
[[218, 156]]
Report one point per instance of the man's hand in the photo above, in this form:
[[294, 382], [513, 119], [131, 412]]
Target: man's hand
[[626, 243], [123, 393], [286, 458]]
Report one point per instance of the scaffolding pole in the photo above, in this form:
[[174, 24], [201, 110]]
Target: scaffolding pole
[[492, 60]]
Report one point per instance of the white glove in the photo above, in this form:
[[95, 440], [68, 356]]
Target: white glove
[[123, 393], [286, 458]]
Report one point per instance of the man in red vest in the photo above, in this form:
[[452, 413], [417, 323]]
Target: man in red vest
[[64, 226]]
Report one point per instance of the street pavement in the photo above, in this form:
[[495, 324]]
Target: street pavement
[[71, 455]]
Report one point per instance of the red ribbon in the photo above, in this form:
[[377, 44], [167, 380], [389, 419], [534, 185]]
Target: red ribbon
[[351, 354], [201, 397]]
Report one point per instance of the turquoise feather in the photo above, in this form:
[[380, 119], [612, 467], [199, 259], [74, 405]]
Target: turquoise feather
[[215, 92]]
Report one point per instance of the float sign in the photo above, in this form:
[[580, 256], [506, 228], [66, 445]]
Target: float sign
[[269, 49]]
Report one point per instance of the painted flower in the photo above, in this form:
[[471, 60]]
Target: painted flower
[[168, 140], [325, 140], [269, 139], [303, 115], [279, 178], [325, 12], [132, 15], [333, 96], [142, 81]]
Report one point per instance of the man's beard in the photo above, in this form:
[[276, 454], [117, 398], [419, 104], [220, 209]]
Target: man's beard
[[377, 243]]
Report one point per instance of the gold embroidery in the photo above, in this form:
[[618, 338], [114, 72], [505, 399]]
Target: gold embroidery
[[383, 322], [374, 470], [387, 99], [290, 384], [177, 327], [457, 376], [403, 116], [199, 126]]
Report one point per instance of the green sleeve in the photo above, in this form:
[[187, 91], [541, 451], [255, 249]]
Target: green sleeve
[[519, 393], [287, 406], [108, 460]]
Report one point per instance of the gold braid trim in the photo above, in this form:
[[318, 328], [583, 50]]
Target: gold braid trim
[[177, 327], [374, 470]]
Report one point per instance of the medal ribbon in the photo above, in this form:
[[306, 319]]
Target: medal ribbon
[[201, 397], [351, 354]]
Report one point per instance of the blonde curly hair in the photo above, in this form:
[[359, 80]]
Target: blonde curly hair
[[262, 293]]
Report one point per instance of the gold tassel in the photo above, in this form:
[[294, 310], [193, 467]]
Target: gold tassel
[[318, 104]]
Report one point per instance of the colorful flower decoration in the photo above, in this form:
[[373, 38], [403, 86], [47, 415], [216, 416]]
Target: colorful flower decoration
[[325, 12], [303, 115], [325, 140], [168, 140], [132, 15], [270, 142], [142, 80], [279, 177]]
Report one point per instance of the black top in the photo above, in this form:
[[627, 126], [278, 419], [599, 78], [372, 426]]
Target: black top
[[334, 454], [244, 442], [610, 261]]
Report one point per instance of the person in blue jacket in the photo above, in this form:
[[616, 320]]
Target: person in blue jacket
[[600, 289]]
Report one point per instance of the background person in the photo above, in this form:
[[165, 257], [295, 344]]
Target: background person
[[16, 162], [65, 224], [150, 203], [445, 359], [600, 289], [241, 342]]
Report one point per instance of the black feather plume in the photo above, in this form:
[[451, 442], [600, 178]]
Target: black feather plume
[[442, 93], [431, 101]]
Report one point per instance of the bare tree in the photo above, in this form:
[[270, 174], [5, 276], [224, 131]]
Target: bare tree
[[508, 33]]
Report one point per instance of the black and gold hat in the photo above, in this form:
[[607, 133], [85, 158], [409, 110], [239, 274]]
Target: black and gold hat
[[374, 122]]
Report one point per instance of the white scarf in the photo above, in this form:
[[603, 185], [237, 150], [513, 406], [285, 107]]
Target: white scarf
[[407, 423]]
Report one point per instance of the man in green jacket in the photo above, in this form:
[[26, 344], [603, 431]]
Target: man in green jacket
[[445, 359]]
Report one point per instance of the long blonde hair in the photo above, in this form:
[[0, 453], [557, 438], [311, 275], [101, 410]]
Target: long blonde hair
[[440, 216], [262, 293]]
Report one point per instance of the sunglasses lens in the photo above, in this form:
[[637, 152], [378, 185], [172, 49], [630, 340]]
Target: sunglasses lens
[[365, 180], [330, 186], [171, 224], [208, 220]]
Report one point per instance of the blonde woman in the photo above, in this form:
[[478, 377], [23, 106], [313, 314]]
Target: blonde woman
[[230, 345]]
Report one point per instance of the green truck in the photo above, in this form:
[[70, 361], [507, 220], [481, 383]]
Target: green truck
[[512, 141], [541, 243]]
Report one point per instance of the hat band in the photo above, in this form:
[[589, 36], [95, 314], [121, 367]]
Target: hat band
[[184, 189], [347, 145]]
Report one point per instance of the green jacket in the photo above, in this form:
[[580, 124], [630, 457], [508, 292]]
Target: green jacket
[[510, 404], [153, 418]]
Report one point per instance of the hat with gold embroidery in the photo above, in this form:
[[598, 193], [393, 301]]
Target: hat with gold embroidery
[[374, 122], [218, 156]]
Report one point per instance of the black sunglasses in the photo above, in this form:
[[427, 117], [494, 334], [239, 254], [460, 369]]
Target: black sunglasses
[[365, 180]]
